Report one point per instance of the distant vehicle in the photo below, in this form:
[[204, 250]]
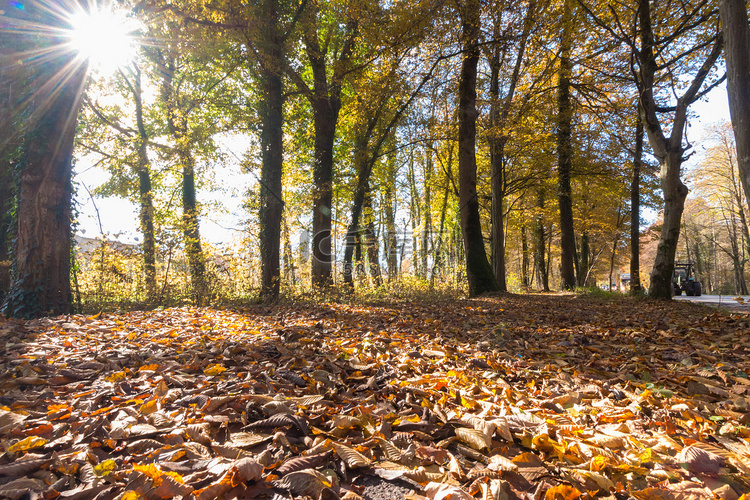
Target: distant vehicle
[[683, 280]]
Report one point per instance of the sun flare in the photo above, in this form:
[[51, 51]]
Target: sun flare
[[104, 38]]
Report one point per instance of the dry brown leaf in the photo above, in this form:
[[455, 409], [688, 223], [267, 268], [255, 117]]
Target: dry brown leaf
[[350, 456], [440, 491]]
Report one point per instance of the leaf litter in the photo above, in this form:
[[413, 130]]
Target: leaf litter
[[534, 397]]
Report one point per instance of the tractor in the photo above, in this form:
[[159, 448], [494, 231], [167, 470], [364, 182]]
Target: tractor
[[683, 280]]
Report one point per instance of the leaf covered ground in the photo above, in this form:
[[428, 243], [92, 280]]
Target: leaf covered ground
[[546, 397]]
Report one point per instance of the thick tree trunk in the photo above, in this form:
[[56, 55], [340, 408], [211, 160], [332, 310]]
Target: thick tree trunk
[[272, 151], [322, 256], [736, 30], [41, 270], [478, 270], [635, 210], [675, 193], [325, 100], [565, 153]]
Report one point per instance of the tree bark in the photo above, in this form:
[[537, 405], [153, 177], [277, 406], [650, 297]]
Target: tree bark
[[734, 22], [272, 151], [41, 268], [478, 270], [635, 210], [565, 153]]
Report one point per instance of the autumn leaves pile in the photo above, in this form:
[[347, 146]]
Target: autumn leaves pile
[[514, 397]]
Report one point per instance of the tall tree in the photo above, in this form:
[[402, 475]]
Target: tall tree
[[325, 96], [478, 270], [130, 148], [565, 150], [271, 48], [736, 32], [49, 100], [500, 122], [671, 71], [635, 210], [669, 150]]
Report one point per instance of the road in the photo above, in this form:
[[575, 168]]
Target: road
[[720, 301]]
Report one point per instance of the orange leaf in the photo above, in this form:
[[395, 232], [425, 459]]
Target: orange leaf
[[562, 492]]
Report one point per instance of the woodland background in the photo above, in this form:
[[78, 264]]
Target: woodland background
[[460, 146]]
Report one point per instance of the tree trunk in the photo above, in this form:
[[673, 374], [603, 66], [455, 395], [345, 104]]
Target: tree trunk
[[272, 151], [583, 266], [191, 230], [390, 229], [427, 236], [614, 256], [414, 215], [524, 257], [635, 210], [479, 272], [177, 121], [668, 150], [364, 170], [675, 193], [497, 141], [41, 269], [437, 265], [371, 242], [540, 242], [565, 153], [145, 196], [322, 256], [736, 32], [325, 100]]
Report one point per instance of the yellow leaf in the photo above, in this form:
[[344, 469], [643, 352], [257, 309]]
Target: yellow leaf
[[105, 468], [115, 377], [155, 473], [468, 403], [27, 444], [214, 370], [598, 463], [130, 495], [148, 407], [151, 367]]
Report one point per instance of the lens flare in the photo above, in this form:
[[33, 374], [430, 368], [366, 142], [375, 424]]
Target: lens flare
[[104, 38]]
